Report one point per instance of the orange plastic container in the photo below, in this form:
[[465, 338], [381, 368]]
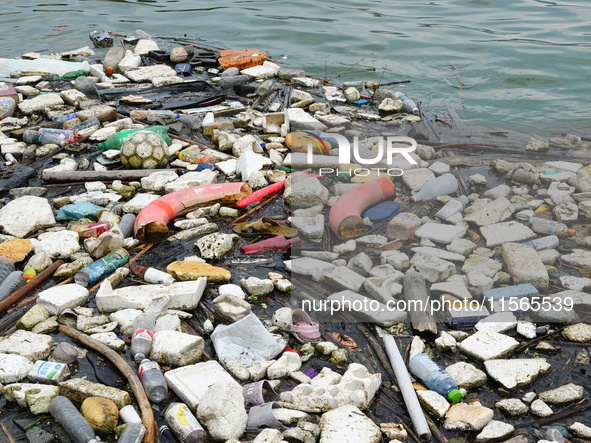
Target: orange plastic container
[[241, 58]]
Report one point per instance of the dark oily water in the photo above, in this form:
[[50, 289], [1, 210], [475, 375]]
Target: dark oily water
[[521, 60]]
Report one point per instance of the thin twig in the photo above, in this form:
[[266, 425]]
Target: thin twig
[[5, 429], [354, 64]]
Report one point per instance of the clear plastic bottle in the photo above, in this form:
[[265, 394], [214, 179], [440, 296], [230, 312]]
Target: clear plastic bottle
[[288, 74], [184, 424], [7, 107], [154, 115], [229, 81], [265, 88], [550, 227], [452, 207], [132, 433], [434, 377], [408, 104], [61, 119], [112, 59], [143, 333], [87, 127], [442, 185], [116, 140], [72, 420], [44, 138], [86, 86], [153, 380], [126, 224], [539, 244]]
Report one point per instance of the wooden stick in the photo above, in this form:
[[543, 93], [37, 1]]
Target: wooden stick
[[132, 378], [21, 293], [5, 429], [83, 176], [415, 288]]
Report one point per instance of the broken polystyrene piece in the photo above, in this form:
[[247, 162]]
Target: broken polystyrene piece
[[246, 340], [182, 295]]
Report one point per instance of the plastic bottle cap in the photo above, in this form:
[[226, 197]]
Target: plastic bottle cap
[[109, 71], [455, 396]]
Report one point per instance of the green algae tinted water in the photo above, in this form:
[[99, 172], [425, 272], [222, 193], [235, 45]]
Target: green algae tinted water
[[519, 60]]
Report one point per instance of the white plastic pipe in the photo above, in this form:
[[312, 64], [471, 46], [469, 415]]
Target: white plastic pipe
[[408, 392]]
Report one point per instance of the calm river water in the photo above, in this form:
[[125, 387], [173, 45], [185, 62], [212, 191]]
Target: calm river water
[[520, 60]]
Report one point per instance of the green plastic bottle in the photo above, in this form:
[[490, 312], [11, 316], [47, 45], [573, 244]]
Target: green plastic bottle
[[73, 75], [116, 140]]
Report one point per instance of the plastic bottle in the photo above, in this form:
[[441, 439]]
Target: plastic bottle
[[153, 380], [207, 123], [408, 105], [73, 422], [154, 115], [91, 274], [442, 185], [403, 226], [7, 107], [112, 59], [452, 207], [86, 86], [61, 119], [126, 225], [195, 157], [288, 74], [143, 333], [73, 75], [265, 88], [132, 433], [434, 377], [86, 128], [221, 126], [192, 122], [184, 424], [67, 134], [228, 82], [165, 434], [6, 268], [14, 281], [116, 140], [539, 244], [550, 227], [43, 138]]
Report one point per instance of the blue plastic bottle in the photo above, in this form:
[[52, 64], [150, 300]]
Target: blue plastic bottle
[[434, 377]]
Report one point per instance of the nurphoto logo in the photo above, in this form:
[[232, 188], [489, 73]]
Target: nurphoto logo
[[390, 146]]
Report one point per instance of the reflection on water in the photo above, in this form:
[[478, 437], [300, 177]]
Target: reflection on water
[[522, 59]]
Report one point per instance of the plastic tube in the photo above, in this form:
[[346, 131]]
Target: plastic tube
[[408, 392], [151, 223], [257, 196], [345, 215]]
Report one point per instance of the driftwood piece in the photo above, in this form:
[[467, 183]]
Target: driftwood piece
[[132, 378], [81, 176]]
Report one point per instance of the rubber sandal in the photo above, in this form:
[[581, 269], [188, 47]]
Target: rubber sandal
[[253, 392], [262, 416], [298, 323], [266, 226]]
